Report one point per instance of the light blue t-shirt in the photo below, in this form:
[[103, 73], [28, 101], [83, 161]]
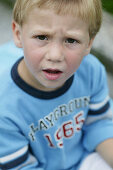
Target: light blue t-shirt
[[52, 130]]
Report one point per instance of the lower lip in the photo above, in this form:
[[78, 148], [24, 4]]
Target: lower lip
[[51, 76]]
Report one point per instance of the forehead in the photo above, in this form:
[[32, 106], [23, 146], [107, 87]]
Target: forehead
[[48, 19]]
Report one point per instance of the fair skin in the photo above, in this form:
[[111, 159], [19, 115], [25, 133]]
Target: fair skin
[[54, 47], [105, 149]]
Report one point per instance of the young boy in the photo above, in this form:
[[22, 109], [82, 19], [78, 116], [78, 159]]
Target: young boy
[[55, 112]]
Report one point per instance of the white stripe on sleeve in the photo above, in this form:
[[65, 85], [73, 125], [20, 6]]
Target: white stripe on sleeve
[[99, 105], [14, 155]]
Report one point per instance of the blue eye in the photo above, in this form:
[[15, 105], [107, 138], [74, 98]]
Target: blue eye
[[42, 37], [70, 40]]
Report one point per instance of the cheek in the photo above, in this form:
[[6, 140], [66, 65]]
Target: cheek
[[73, 61], [33, 53], [31, 50], [33, 59]]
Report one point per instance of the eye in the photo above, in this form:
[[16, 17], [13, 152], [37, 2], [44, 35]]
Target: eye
[[42, 37], [71, 41]]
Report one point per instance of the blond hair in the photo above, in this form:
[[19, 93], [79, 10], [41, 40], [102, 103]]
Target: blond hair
[[88, 10]]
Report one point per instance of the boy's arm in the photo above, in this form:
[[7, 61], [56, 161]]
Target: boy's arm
[[14, 148], [98, 127], [105, 149]]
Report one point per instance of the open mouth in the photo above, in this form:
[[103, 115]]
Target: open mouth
[[52, 74], [52, 71]]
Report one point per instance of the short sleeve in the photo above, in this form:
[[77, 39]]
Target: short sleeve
[[14, 148], [98, 125]]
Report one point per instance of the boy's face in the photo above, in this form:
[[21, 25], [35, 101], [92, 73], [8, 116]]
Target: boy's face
[[54, 47]]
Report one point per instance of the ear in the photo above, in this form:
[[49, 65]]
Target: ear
[[89, 46], [17, 34]]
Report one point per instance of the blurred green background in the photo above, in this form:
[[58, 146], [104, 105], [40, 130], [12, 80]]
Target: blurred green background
[[107, 4]]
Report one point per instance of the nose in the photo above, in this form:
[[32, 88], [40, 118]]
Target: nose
[[55, 53]]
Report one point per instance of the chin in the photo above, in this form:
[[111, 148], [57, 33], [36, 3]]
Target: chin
[[51, 88]]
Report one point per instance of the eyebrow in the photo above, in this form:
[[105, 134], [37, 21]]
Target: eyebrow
[[73, 34], [48, 32], [40, 31]]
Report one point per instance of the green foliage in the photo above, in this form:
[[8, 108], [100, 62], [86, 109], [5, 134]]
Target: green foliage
[[108, 5], [9, 3]]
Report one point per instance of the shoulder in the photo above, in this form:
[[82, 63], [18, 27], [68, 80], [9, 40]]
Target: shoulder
[[91, 67], [5, 79], [9, 92], [92, 62], [92, 75], [6, 85]]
